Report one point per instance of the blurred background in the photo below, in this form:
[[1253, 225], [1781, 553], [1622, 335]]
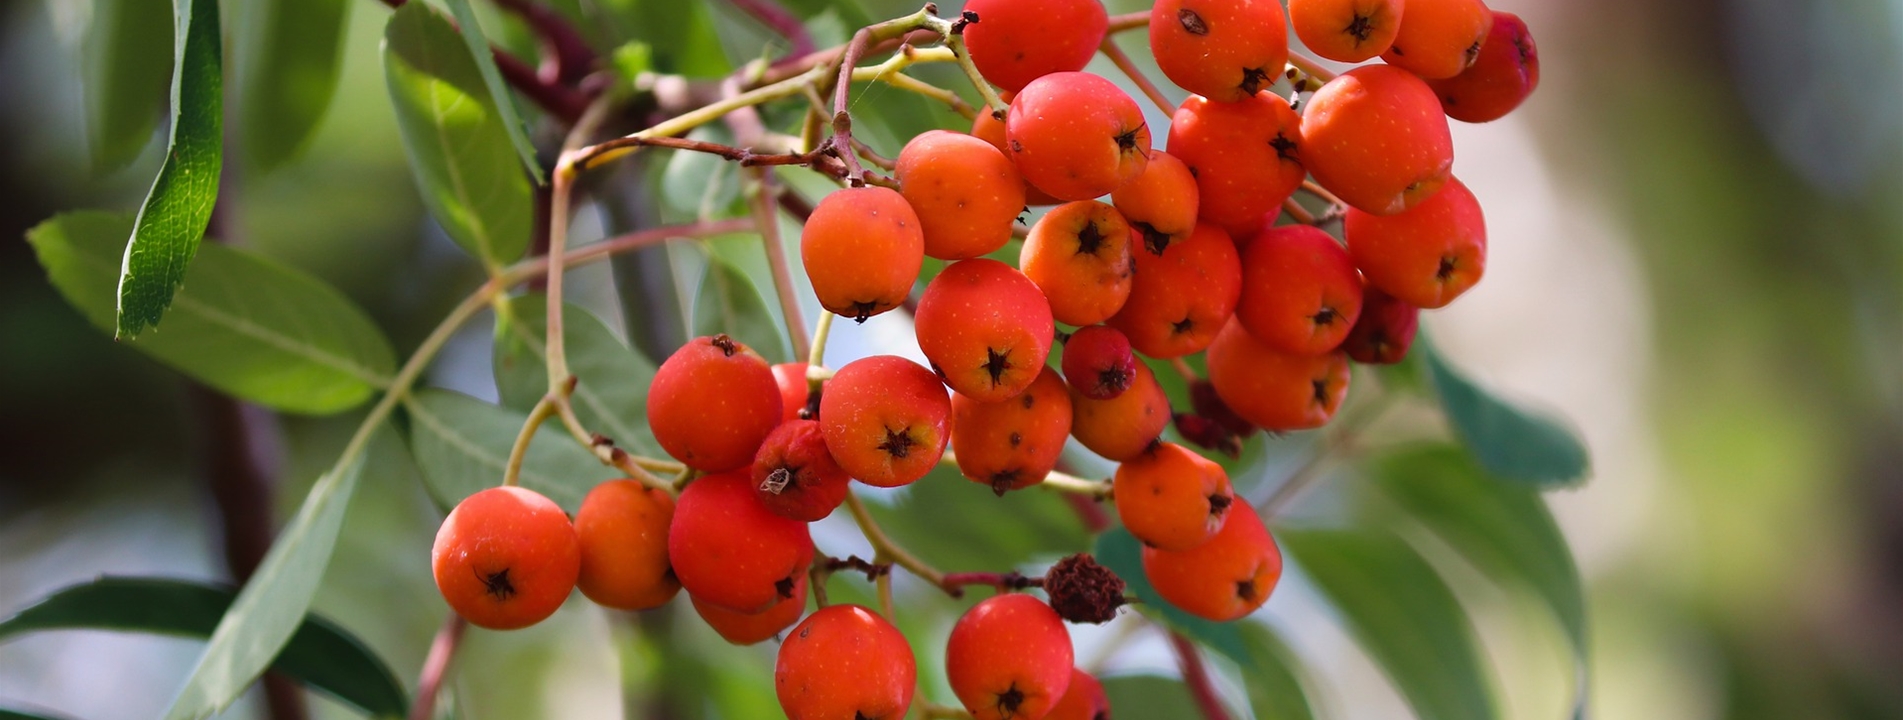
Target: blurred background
[[1696, 234]]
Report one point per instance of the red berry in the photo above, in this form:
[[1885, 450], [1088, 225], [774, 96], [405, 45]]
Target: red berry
[[862, 248], [1300, 292], [1085, 700], [1507, 71], [1172, 498], [729, 550], [1273, 389], [622, 527], [712, 403], [1098, 362], [749, 628], [845, 662], [1349, 31], [1124, 426], [885, 419], [1376, 136], [1439, 38], [794, 474], [1012, 444], [1223, 579], [1245, 155], [1076, 136], [1182, 294], [1224, 50], [1015, 42], [1427, 256], [986, 328], [1078, 254], [1009, 658], [506, 558], [966, 193], [1385, 330]]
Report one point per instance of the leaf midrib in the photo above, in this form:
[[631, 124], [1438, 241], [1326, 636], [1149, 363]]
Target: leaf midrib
[[184, 303]]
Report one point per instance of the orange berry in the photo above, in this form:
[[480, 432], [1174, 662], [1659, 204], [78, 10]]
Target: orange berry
[[1377, 138], [1159, 203], [795, 476], [505, 558], [1085, 700], [1223, 579], [728, 550], [1171, 498], [1385, 330], [1427, 256], [749, 628], [1245, 157], [1272, 389], [1014, 42], [1505, 73], [1439, 38], [1300, 292], [885, 420], [1009, 658], [1098, 362], [862, 248], [991, 129], [986, 328], [845, 662], [1012, 444], [712, 403], [1076, 136], [1182, 294], [791, 377], [1349, 31], [966, 193], [622, 527], [1224, 50], [1078, 254], [1124, 426]]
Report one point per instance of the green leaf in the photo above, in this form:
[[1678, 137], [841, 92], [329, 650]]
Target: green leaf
[[1511, 443], [1504, 530], [320, 654], [1149, 696], [1120, 551], [457, 139], [478, 43], [1403, 615], [291, 68], [243, 324], [126, 68], [728, 302], [611, 395], [176, 211], [267, 613], [462, 444], [1272, 676], [956, 524]]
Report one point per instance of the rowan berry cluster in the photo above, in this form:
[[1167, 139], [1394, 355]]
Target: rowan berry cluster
[[1192, 253]]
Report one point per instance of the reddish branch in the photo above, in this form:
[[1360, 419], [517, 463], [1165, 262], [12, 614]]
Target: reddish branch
[[571, 57], [563, 102], [783, 23], [1196, 676], [436, 667], [955, 583]]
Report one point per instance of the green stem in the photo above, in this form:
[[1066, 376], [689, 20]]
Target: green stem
[[883, 545]]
